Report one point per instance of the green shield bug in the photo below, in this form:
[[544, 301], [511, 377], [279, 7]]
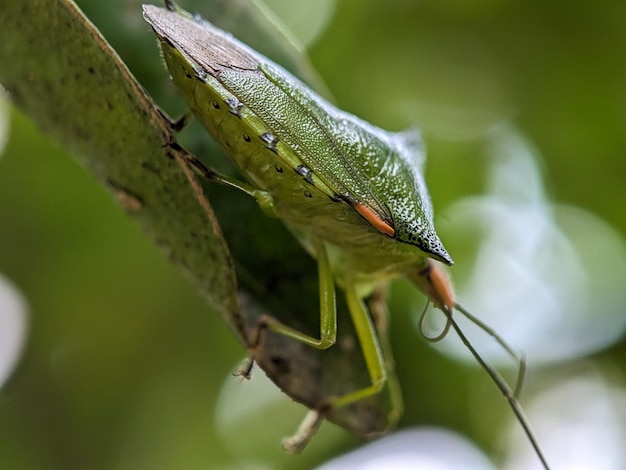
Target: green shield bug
[[352, 194]]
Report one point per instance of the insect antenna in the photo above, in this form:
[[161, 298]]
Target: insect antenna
[[444, 331], [518, 357], [503, 386]]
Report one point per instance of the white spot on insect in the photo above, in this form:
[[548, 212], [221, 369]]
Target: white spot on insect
[[305, 172], [234, 106], [270, 140]]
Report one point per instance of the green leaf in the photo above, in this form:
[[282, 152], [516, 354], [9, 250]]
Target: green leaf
[[62, 73]]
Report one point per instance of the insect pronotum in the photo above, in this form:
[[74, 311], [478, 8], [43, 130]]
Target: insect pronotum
[[353, 194]]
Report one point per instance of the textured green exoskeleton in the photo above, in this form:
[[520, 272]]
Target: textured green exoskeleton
[[352, 194]]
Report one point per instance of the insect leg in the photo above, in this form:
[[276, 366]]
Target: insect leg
[[263, 198], [372, 353], [328, 336], [377, 306], [328, 312]]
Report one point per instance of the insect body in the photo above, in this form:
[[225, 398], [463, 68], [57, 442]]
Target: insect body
[[352, 194]]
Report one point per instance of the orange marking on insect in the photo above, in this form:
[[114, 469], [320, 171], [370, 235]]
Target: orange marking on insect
[[434, 282], [373, 218]]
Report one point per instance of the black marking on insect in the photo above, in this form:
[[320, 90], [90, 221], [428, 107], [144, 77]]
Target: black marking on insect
[[270, 141], [246, 137], [307, 194], [234, 106], [215, 104], [278, 168], [306, 173], [417, 238], [186, 72], [335, 198]]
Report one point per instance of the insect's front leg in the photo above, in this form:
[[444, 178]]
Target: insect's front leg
[[366, 335], [328, 313], [327, 338], [263, 198], [374, 360]]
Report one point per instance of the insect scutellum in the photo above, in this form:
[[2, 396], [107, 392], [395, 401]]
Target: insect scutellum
[[352, 194]]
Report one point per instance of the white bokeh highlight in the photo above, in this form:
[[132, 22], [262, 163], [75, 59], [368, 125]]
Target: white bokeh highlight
[[13, 327], [581, 424], [303, 19], [4, 119], [257, 413], [546, 277], [424, 448]]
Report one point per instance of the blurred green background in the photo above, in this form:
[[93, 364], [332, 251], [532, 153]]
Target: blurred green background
[[124, 364]]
